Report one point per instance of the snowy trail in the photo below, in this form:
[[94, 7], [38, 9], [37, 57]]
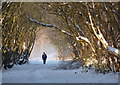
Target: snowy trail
[[36, 72]]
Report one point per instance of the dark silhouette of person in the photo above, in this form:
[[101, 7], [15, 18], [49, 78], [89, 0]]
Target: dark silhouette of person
[[44, 57]]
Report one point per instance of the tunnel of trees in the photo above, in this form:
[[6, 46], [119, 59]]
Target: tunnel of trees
[[91, 29]]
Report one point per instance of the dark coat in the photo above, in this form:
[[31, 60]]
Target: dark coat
[[44, 56]]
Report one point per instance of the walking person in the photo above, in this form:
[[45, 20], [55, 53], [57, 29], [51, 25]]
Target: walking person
[[44, 58]]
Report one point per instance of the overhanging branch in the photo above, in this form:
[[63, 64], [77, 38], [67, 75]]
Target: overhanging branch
[[50, 25]]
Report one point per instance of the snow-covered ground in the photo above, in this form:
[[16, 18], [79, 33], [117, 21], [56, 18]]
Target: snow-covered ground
[[36, 72]]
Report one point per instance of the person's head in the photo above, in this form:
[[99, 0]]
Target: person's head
[[43, 52]]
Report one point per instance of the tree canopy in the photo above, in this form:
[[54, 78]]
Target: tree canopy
[[92, 29]]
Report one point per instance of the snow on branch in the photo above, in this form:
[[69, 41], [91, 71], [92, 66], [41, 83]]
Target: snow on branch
[[114, 50], [50, 25], [37, 22], [85, 39], [66, 32], [79, 29]]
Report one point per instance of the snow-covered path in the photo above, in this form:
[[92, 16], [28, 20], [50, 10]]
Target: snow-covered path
[[36, 72]]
